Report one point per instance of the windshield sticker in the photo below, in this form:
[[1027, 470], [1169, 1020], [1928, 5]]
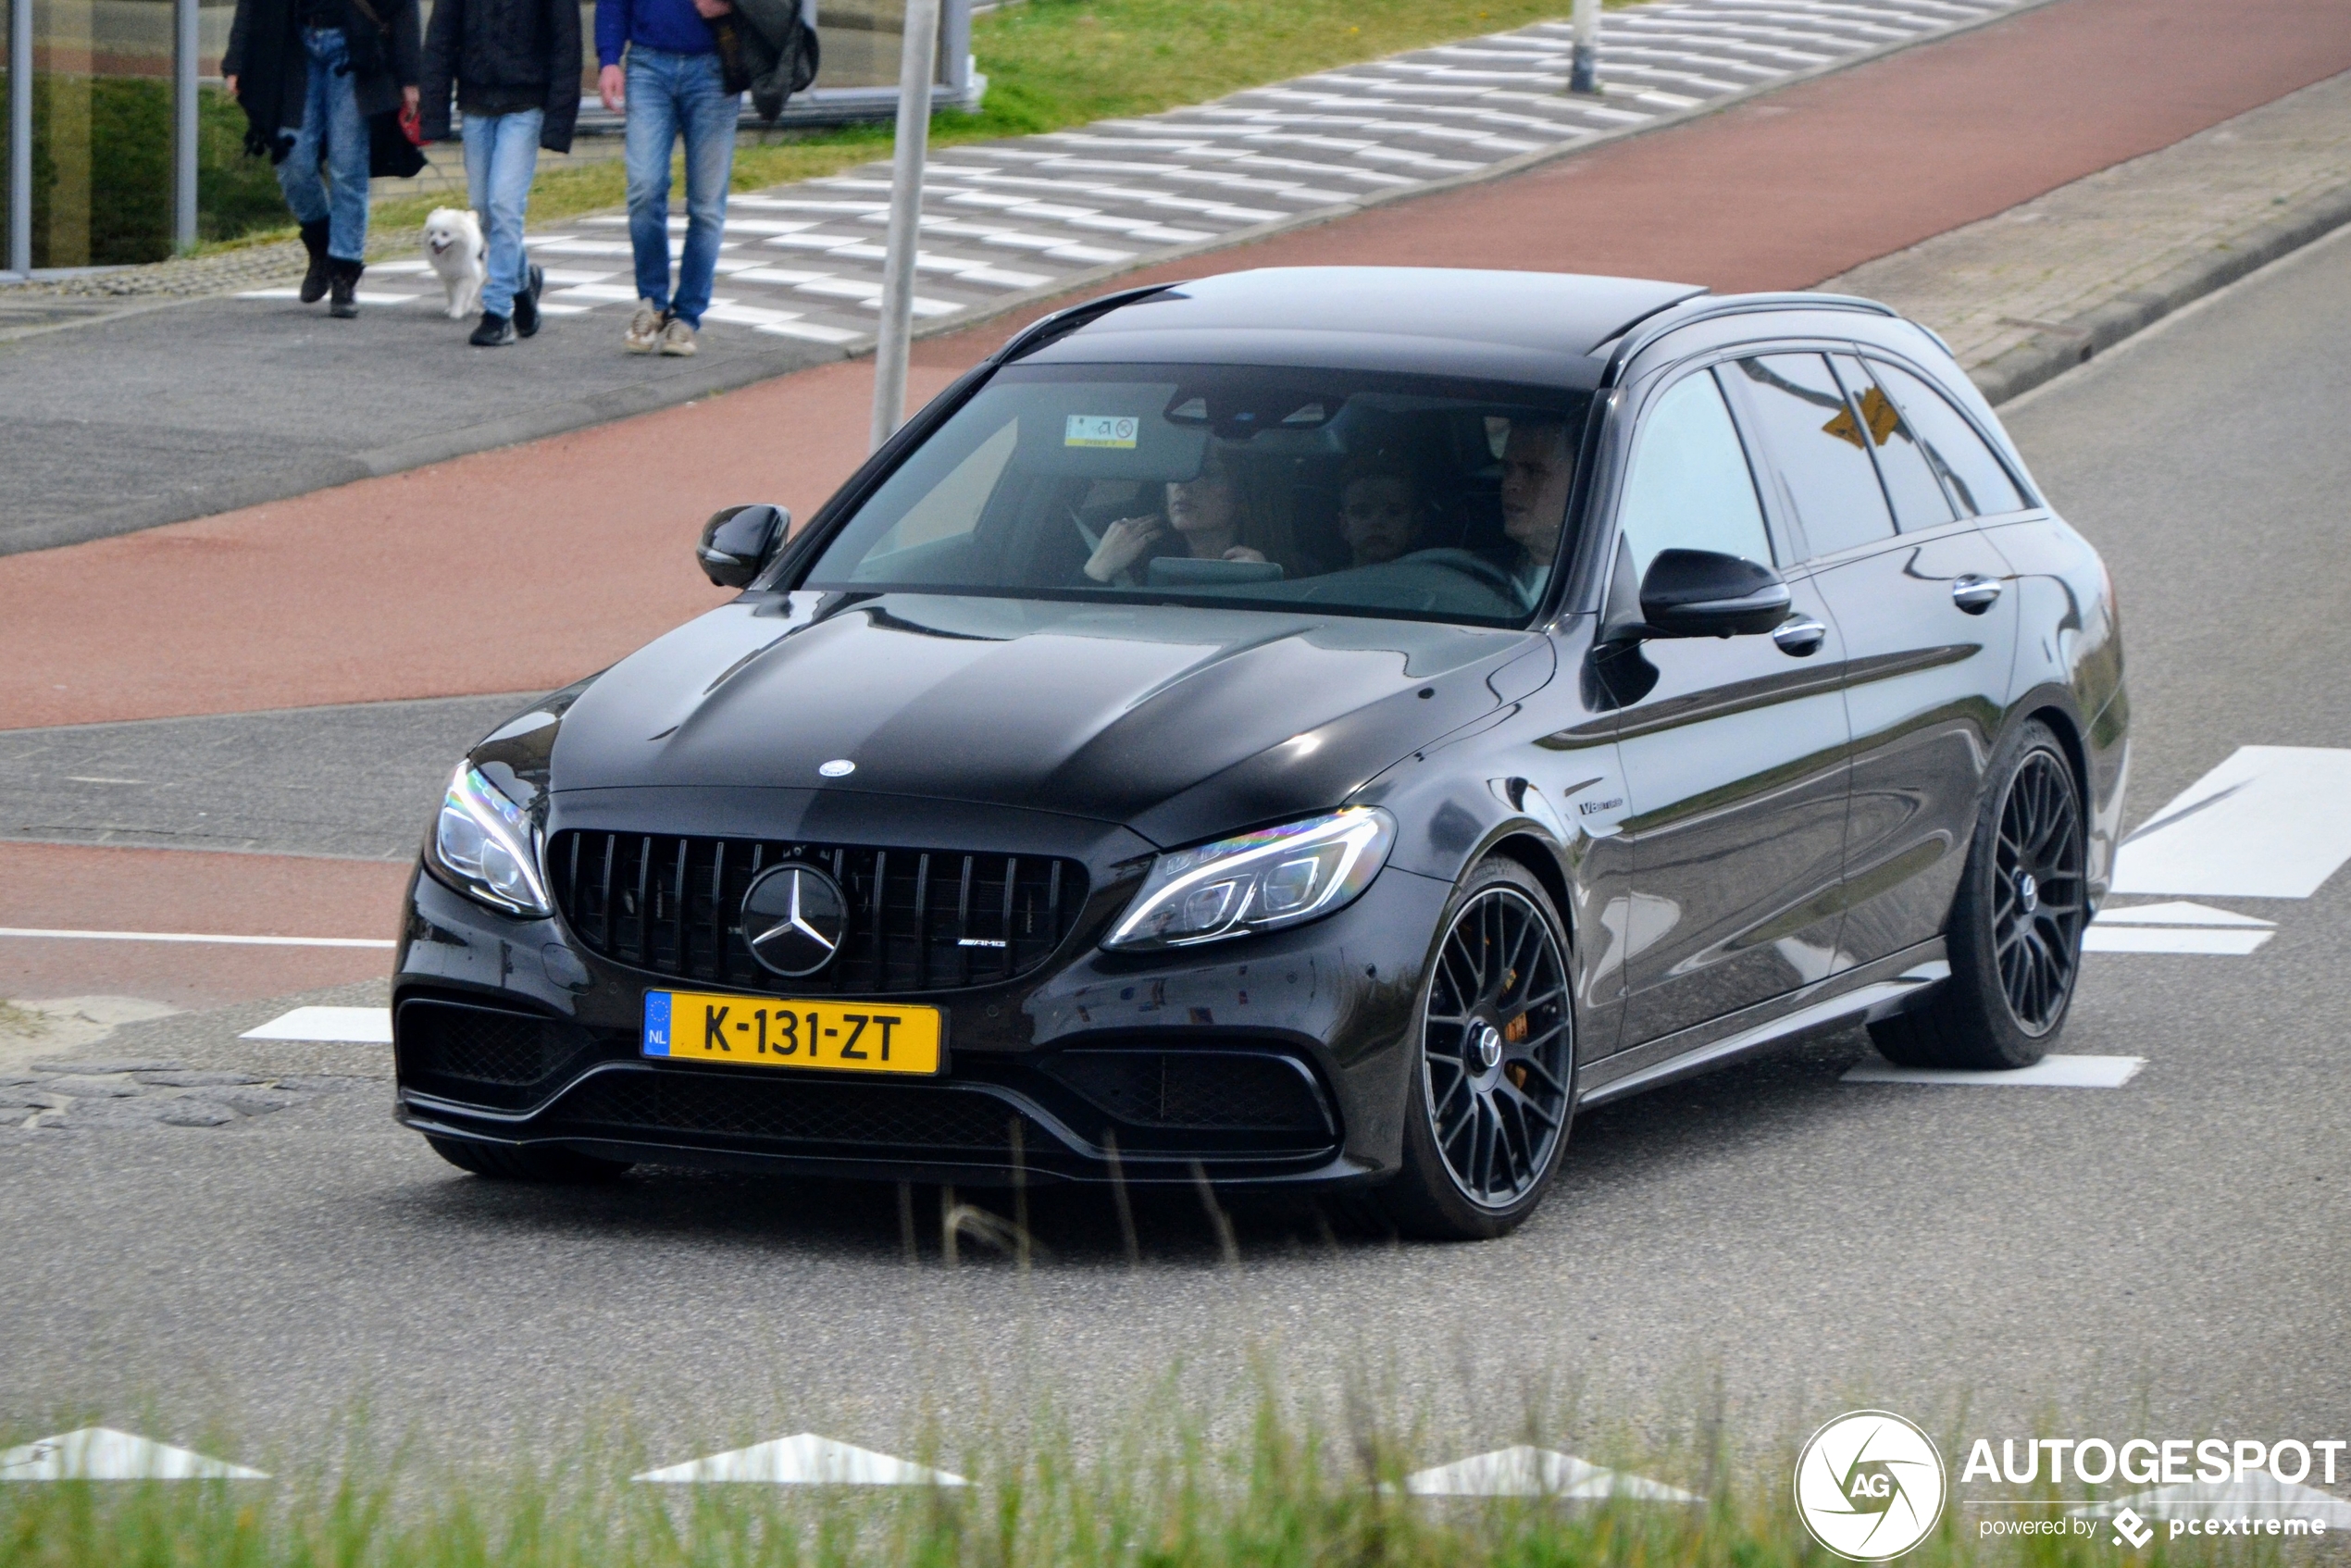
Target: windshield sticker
[[1101, 429]]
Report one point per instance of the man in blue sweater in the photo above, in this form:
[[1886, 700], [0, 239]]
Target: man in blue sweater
[[673, 85]]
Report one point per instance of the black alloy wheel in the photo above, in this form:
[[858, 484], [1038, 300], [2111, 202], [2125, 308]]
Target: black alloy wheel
[[2014, 940], [1495, 1078], [2038, 892]]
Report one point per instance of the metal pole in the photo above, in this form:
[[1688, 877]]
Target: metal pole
[[1584, 73], [185, 42], [906, 217], [19, 135]]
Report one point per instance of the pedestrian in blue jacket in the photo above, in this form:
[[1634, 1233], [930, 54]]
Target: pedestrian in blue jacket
[[673, 85]]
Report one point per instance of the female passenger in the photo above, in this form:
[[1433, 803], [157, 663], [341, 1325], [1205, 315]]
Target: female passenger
[[1206, 515]]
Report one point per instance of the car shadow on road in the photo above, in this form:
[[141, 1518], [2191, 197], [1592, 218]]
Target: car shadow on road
[[1614, 1154]]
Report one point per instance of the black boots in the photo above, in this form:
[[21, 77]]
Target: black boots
[[527, 301], [496, 331], [314, 282], [345, 302]]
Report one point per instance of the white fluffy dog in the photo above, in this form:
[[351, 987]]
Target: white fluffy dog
[[454, 246]]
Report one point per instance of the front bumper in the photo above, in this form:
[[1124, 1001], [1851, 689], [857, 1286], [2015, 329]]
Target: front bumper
[[1277, 1060]]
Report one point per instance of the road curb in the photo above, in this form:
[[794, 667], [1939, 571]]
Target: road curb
[[2062, 345]]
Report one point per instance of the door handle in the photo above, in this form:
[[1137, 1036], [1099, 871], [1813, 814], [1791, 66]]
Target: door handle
[[1975, 594], [1800, 637]]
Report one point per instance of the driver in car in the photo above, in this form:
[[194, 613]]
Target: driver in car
[[1537, 468], [1207, 515]]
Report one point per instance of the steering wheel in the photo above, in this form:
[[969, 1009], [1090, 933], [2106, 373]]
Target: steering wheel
[[1478, 567]]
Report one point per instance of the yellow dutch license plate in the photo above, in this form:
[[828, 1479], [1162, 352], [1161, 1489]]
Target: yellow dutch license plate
[[758, 1031]]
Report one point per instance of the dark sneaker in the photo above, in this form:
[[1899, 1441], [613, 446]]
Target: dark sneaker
[[345, 302], [496, 331], [527, 301], [315, 282]]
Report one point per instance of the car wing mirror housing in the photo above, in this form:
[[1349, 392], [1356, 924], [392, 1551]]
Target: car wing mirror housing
[[737, 543], [1707, 594]]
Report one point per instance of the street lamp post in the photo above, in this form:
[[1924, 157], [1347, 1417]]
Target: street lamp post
[[186, 39], [19, 135], [914, 71], [1583, 71]]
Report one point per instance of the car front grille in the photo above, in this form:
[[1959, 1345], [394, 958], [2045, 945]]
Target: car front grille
[[894, 1118], [919, 919]]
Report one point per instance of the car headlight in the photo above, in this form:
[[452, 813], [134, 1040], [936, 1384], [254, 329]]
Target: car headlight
[[1257, 881], [483, 846]]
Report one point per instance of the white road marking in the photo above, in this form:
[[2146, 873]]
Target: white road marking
[[806, 1460], [2195, 1499], [1524, 1470], [197, 937], [2050, 1072], [810, 331], [101, 1453], [2270, 822], [2188, 938], [331, 1026], [2177, 912]]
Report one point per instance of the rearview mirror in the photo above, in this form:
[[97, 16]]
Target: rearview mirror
[[1706, 593], [738, 542]]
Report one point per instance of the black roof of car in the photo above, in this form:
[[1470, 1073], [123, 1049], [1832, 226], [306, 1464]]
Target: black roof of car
[[1542, 327]]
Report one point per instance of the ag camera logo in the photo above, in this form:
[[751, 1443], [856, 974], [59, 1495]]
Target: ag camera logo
[[1869, 1486]]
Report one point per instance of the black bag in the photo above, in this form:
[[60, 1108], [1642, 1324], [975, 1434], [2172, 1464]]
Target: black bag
[[773, 54], [390, 156]]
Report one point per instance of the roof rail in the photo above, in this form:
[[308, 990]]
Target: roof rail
[[1650, 328], [1061, 323]]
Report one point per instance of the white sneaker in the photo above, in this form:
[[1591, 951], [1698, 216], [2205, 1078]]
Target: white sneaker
[[678, 339], [644, 330]]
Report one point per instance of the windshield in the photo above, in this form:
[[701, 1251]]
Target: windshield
[[1353, 492]]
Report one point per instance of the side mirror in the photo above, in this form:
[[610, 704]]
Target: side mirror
[[737, 542], [1706, 593]]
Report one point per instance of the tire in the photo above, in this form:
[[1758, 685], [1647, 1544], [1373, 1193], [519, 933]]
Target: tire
[[2015, 936], [559, 1167], [1491, 1091]]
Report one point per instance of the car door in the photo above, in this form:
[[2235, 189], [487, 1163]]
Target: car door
[[1920, 598], [1734, 750]]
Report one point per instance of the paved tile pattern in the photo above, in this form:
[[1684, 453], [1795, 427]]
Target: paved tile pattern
[[999, 219], [1988, 286]]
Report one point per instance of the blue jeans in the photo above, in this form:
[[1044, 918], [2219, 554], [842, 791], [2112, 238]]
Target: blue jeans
[[669, 94], [333, 130], [502, 154]]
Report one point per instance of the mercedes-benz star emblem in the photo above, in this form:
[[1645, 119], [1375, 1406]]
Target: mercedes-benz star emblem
[[794, 917]]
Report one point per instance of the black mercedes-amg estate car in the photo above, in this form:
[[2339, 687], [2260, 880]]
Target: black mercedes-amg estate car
[[1313, 726]]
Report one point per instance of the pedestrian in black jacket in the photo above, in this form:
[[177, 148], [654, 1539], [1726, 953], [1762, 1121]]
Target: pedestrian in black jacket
[[515, 67], [309, 74]]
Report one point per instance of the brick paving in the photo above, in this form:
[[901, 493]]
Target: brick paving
[[1989, 286]]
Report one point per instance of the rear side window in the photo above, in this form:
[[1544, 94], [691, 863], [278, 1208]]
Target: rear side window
[[1816, 445], [1977, 479], [1911, 484], [1689, 487]]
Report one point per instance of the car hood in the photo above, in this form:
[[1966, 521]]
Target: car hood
[[1179, 722]]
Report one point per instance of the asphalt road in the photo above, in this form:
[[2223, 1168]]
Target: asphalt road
[[2166, 1257]]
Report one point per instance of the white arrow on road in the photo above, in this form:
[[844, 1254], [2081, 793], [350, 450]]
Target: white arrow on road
[[101, 1453], [2272, 822], [1524, 1471], [806, 1460]]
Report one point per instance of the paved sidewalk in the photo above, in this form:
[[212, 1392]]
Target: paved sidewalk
[[160, 416], [2001, 289]]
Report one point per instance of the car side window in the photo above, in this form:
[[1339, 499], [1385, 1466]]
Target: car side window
[[1816, 449], [1978, 480], [1689, 487], [1911, 484]]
